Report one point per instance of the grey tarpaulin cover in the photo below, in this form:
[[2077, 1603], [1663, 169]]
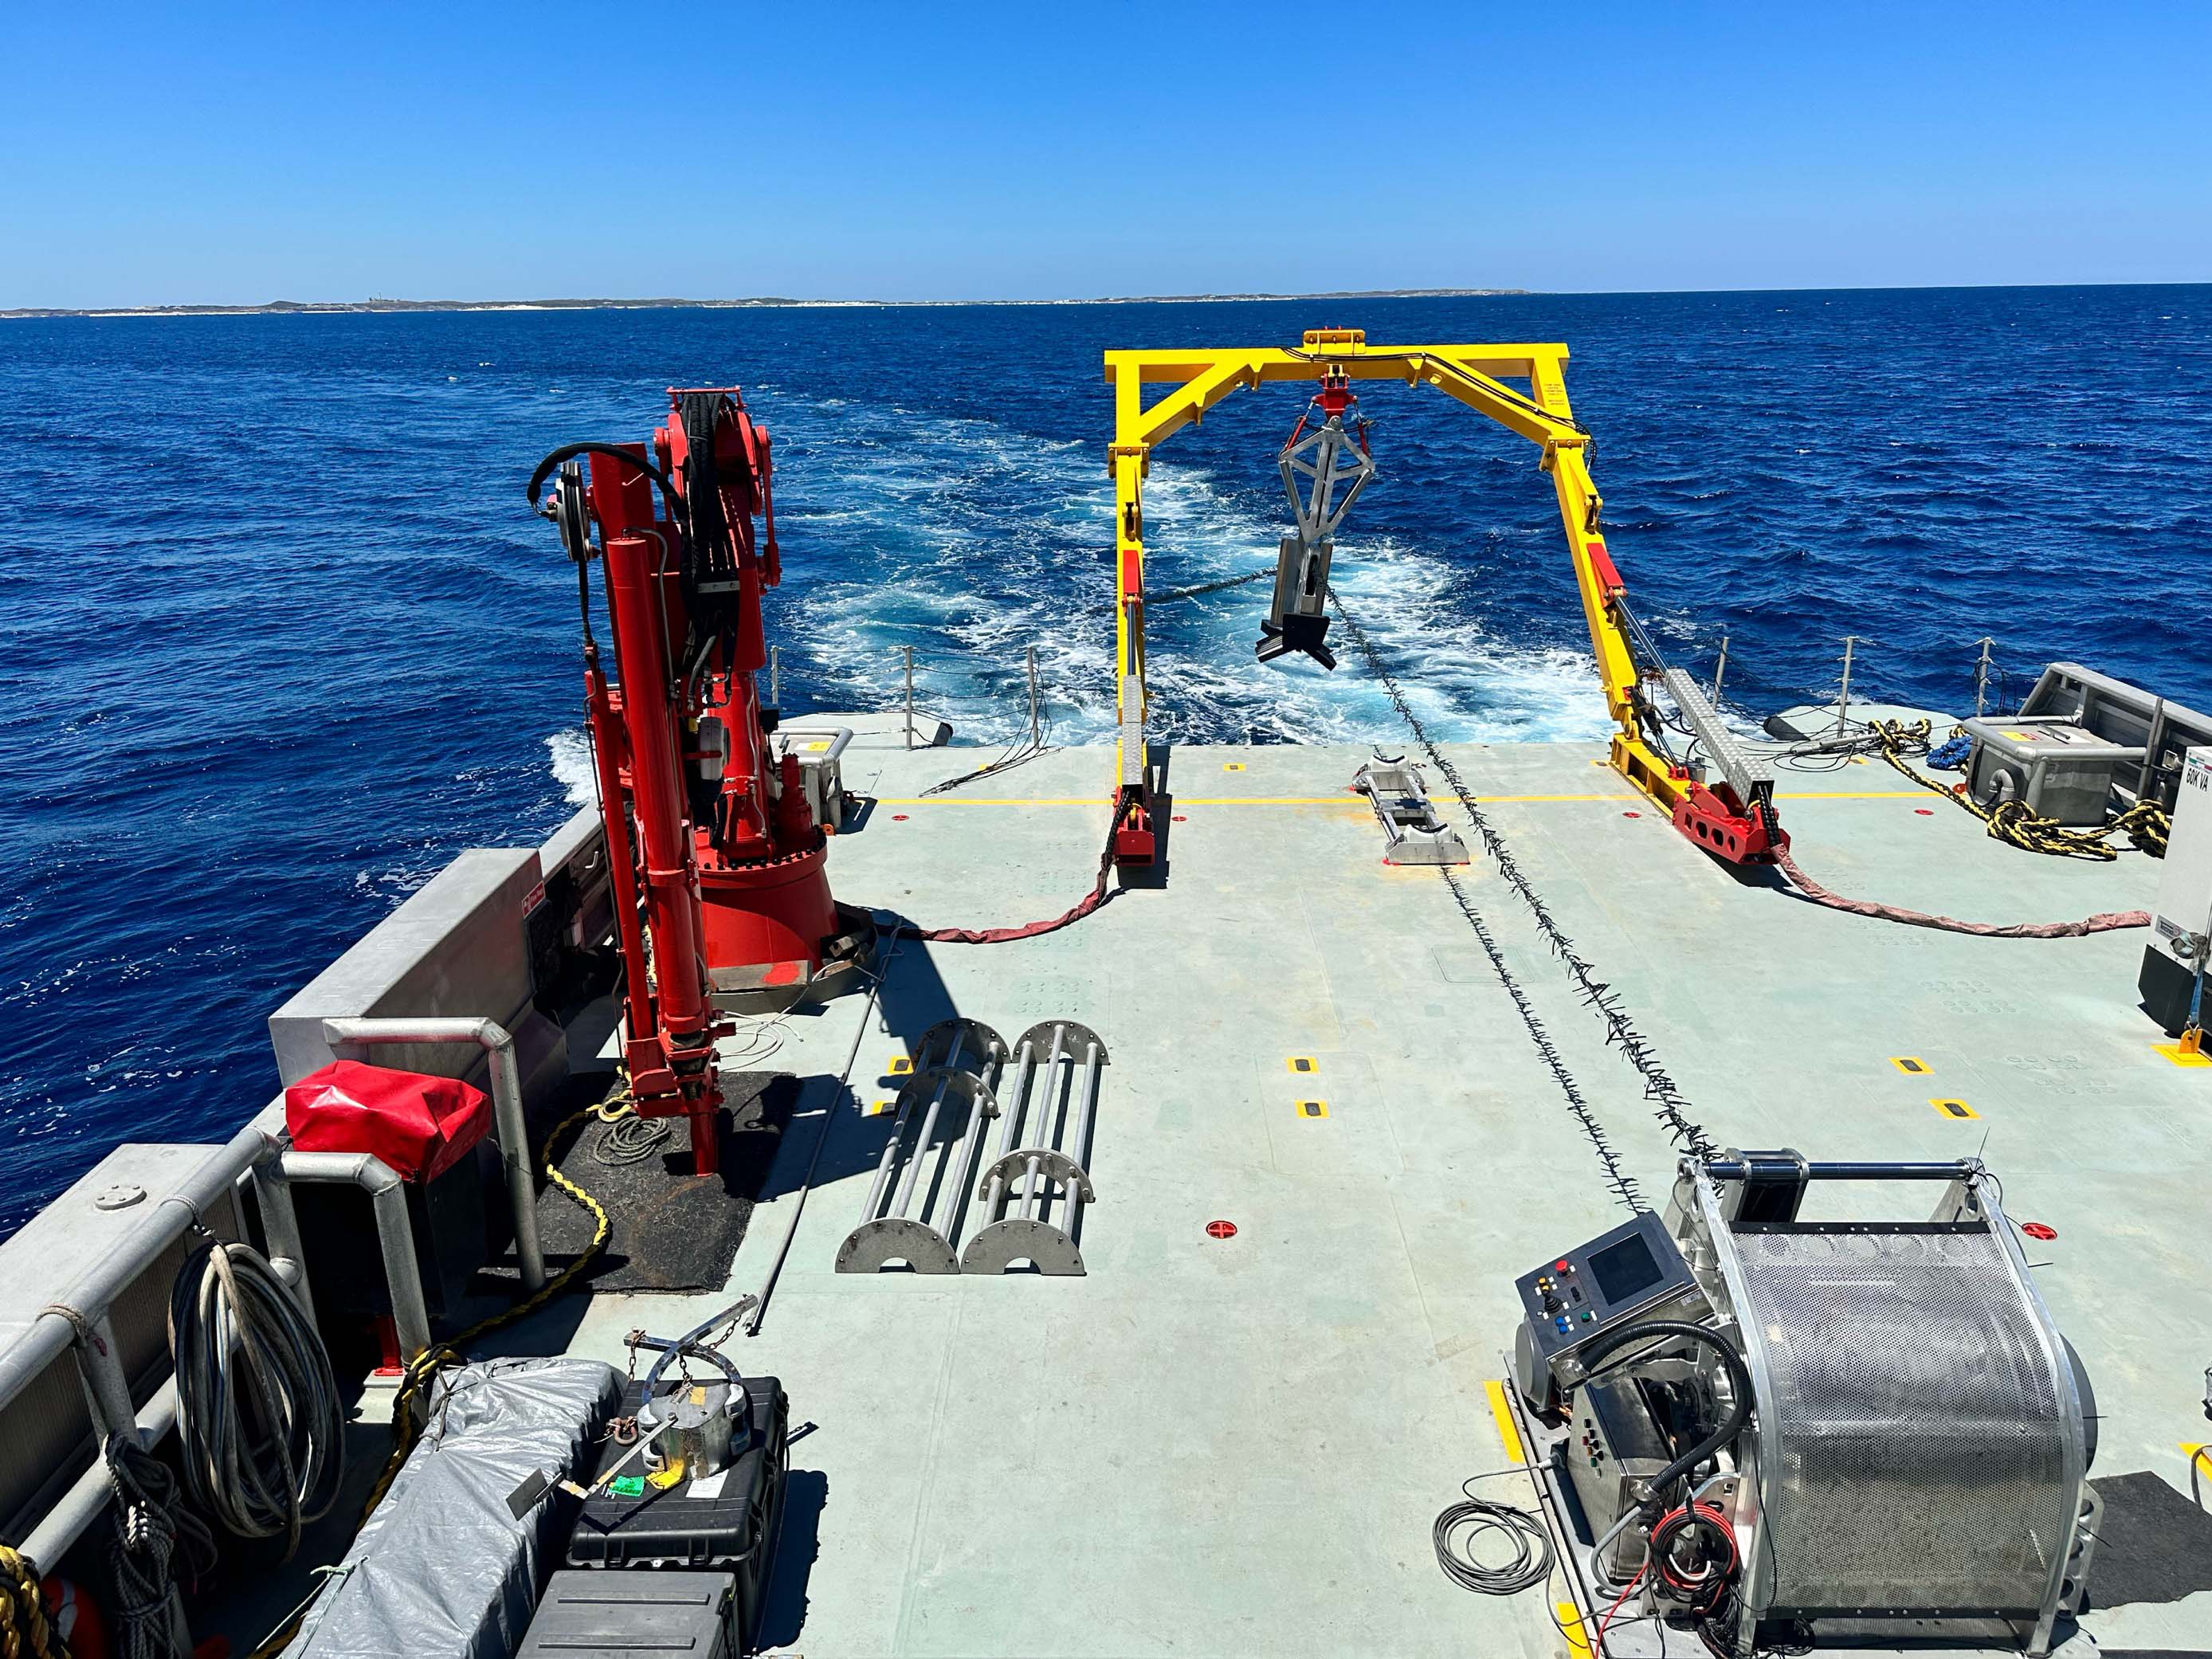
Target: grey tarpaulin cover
[[444, 1569]]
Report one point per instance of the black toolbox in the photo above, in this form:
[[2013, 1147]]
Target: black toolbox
[[727, 1522], [633, 1615]]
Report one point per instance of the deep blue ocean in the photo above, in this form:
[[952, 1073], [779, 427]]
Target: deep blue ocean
[[281, 635]]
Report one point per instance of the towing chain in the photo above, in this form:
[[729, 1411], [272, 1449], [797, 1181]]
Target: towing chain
[[1670, 1105]]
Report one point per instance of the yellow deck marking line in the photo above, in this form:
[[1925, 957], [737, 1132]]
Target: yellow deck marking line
[[1571, 1625], [1954, 1108], [2172, 1052], [1503, 1414], [1346, 799]]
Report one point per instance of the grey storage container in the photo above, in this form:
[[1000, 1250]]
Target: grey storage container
[[589, 1613]]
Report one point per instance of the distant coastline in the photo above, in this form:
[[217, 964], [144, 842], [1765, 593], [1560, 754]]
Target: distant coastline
[[340, 307]]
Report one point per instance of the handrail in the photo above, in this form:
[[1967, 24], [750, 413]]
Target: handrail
[[505, 1105]]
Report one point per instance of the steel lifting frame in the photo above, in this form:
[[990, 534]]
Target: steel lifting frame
[[1475, 375]]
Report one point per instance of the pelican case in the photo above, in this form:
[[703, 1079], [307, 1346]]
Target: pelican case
[[633, 1615], [726, 1522]]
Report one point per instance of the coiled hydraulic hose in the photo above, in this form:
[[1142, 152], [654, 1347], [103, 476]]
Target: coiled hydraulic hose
[[1731, 1425], [258, 1426]]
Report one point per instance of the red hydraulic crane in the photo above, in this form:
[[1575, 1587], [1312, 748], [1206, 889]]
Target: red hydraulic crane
[[721, 893]]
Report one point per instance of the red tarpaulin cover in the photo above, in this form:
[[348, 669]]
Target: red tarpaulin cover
[[419, 1125]]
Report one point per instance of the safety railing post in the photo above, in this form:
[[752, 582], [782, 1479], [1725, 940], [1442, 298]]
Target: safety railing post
[[1720, 669], [909, 696], [775, 677], [1981, 678], [1844, 700]]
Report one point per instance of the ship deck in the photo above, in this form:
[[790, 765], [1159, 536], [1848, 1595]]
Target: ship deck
[[1209, 1446]]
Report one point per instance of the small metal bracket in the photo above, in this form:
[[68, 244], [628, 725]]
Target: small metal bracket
[[1075, 1039]]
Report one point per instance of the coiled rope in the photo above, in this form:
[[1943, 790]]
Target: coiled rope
[[1670, 1105], [159, 1542], [259, 1430], [2012, 821], [24, 1627]]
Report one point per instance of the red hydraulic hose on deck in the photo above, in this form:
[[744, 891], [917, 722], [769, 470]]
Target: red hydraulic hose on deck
[[1091, 901], [2103, 922]]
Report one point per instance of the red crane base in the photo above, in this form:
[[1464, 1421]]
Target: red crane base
[[766, 923]]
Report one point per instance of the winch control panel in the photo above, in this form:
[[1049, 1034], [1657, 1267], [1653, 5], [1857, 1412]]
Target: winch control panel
[[1634, 1271]]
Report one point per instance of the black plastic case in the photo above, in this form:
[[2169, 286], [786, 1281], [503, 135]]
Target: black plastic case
[[732, 1529]]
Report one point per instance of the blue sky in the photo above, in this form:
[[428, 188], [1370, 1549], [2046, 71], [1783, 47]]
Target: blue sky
[[171, 153]]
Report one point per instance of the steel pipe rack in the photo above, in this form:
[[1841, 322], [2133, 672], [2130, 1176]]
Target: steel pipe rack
[[970, 1049], [1043, 1163]]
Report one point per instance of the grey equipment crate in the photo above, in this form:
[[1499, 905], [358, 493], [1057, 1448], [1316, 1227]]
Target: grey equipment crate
[[586, 1613], [2061, 770]]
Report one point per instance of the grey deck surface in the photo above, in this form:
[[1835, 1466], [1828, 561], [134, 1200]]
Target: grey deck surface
[[1213, 1447]]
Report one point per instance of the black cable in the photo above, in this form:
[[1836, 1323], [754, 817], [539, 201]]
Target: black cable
[[590, 447], [1738, 1384]]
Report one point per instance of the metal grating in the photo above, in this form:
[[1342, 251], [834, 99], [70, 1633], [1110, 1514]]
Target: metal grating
[[1922, 1459]]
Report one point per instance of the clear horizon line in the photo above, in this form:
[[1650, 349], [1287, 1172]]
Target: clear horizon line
[[378, 304]]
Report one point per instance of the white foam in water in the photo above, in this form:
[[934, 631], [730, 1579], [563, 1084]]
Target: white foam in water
[[972, 543], [571, 754]]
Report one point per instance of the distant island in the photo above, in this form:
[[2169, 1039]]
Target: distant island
[[325, 307]]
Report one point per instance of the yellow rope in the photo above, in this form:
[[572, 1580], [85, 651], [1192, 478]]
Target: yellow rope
[[405, 1431], [2012, 822], [23, 1626]]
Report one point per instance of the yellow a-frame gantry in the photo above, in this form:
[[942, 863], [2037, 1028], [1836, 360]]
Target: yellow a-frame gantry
[[1476, 376]]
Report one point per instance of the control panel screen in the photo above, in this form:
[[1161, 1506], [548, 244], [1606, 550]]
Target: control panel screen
[[1626, 1270]]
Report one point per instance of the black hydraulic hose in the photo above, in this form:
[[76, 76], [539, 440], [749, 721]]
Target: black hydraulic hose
[[569, 452], [1731, 1362]]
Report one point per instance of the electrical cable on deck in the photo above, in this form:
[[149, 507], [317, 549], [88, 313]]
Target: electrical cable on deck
[[1670, 1106]]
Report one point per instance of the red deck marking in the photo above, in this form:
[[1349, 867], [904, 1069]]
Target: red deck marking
[[1924, 811], [1221, 1229], [1631, 815], [2039, 1230]]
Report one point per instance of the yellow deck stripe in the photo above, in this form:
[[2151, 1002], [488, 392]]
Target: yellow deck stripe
[[1578, 1634], [1503, 1414]]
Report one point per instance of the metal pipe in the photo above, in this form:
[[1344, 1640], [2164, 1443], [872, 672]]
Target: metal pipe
[[775, 677], [280, 1221], [1077, 1145], [912, 1175], [2151, 737], [883, 1180], [395, 1239], [909, 696], [106, 1390], [1733, 1170], [79, 1506], [1029, 1182], [1036, 724], [1720, 669], [1010, 1117], [963, 1168], [506, 1105], [1981, 677], [1843, 702]]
